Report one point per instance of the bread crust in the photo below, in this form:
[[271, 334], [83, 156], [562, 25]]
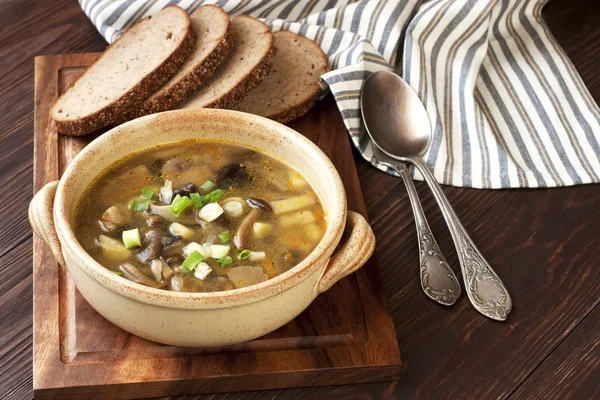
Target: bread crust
[[297, 110], [245, 83], [249, 82], [179, 92], [131, 100], [294, 112]]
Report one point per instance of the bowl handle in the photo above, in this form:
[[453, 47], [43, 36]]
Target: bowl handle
[[352, 255], [42, 221]]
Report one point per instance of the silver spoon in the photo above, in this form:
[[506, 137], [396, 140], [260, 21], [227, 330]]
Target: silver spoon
[[399, 125], [437, 278]]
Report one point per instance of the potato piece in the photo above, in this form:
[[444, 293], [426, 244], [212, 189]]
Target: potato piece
[[297, 182], [313, 232], [292, 204], [113, 248], [261, 229], [297, 218], [257, 255]]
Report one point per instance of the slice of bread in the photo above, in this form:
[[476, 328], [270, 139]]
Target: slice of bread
[[292, 87], [128, 72], [213, 44], [246, 66]]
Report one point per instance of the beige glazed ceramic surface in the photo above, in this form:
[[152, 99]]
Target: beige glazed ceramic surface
[[202, 319]]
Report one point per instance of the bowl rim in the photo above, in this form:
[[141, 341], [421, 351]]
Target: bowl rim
[[205, 300]]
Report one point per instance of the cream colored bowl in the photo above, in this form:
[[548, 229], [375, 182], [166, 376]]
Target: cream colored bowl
[[202, 319]]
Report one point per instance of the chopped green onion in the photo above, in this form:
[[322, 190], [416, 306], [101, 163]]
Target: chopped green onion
[[147, 193], [131, 238], [224, 236], [139, 206], [224, 261], [179, 204], [212, 197], [190, 263], [196, 199], [244, 254], [118, 273], [207, 186], [183, 268]]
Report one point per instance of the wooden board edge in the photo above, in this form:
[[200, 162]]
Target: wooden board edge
[[45, 339], [212, 385]]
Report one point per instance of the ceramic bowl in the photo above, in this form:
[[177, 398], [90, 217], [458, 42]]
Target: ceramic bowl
[[202, 319]]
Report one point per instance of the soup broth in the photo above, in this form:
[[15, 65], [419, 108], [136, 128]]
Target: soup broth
[[199, 216]]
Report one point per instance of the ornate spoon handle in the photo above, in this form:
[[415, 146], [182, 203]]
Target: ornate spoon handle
[[437, 278], [483, 286]]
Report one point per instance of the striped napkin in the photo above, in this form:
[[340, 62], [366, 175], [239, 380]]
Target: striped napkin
[[506, 105]]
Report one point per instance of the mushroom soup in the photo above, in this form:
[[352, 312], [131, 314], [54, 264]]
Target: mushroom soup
[[199, 216]]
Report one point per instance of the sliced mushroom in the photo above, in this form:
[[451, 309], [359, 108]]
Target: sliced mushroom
[[259, 203], [135, 275], [167, 215], [176, 284], [174, 260], [246, 276], [160, 270], [240, 237], [112, 219], [156, 166], [257, 207], [151, 245], [190, 187], [167, 272], [175, 248], [156, 268], [170, 240], [175, 166], [153, 220], [186, 190], [234, 174]]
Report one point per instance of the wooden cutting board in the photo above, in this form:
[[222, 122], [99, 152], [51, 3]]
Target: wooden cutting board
[[345, 336]]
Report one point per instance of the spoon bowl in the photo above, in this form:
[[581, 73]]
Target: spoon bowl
[[395, 117]]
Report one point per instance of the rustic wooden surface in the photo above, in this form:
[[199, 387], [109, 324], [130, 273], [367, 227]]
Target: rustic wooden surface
[[326, 344], [544, 243]]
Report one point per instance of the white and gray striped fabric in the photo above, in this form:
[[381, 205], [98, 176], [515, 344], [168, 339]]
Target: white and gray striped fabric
[[506, 106]]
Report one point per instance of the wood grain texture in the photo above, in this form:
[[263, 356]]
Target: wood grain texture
[[543, 275], [78, 353], [572, 371]]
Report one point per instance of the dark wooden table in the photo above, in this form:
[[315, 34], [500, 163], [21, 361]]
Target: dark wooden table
[[544, 243]]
